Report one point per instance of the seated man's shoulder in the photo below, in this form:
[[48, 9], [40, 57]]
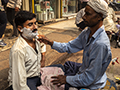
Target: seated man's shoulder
[[102, 44], [18, 46]]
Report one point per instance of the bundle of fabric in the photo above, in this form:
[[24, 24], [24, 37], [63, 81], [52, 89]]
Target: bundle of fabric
[[46, 74]]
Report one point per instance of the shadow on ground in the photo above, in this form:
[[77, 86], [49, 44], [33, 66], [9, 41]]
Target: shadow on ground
[[3, 79]]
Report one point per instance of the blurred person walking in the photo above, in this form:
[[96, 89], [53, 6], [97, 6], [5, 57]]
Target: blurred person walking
[[3, 22], [109, 22], [13, 7], [79, 21]]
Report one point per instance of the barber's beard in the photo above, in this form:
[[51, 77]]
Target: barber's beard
[[28, 34], [94, 24]]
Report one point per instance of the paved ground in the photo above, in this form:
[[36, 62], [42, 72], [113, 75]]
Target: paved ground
[[62, 32]]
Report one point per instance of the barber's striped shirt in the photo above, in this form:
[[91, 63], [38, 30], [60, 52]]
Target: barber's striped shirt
[[14, 3]]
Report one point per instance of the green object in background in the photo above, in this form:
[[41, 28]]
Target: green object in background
[[51, 8], [38, 8], [48, 4], [118, 2]]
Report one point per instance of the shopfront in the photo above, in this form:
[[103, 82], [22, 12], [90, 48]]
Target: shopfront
[[50, 9], [44, 9], [68, 7]]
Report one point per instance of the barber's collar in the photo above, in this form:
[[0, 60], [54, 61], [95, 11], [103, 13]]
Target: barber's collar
[[101, 29]]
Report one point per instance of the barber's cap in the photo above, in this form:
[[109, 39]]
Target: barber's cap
[[100, 6]]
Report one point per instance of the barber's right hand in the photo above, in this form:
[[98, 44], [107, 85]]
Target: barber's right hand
[[45, 40]]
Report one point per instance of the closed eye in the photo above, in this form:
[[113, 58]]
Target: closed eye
[[30, 24]]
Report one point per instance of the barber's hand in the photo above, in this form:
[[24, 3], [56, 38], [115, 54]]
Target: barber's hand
[[45, 40], [16, 9], [59, 80]]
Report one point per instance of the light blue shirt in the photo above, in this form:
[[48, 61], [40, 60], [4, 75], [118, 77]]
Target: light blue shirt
[[96, 58]]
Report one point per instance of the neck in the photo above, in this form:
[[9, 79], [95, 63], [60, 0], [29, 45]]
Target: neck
[[96, 27], [28, 40]]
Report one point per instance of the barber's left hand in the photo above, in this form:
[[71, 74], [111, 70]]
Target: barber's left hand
[[59, 80]]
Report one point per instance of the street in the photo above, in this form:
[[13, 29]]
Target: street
[[63, 31]]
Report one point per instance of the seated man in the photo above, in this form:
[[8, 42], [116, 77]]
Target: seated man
[[27, 55], [110, 22], [96, 55]]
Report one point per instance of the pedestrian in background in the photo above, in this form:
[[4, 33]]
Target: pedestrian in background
[[117, 36], [13, 6], [3, 23], [79, 21], [109, 22]]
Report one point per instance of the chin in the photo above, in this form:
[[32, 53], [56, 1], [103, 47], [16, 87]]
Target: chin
[[86, 23]]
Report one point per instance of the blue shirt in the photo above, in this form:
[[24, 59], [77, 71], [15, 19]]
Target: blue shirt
[[96, 58]]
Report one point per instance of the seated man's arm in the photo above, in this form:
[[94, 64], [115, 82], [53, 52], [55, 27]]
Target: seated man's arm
[[19, 78], [43, 60], [43, 50]]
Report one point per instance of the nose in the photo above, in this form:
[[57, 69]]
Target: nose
[[34, 26]]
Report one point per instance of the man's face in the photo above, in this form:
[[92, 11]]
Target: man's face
[[91, 18], [29, 30], [31, 24]]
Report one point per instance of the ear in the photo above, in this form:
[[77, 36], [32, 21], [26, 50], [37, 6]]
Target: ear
[[19, 28], [100, 16]]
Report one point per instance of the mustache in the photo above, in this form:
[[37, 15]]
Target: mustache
[[34, 30]]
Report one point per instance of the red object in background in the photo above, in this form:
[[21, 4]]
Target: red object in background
[[113, 63], [115, 60], [65, 9]]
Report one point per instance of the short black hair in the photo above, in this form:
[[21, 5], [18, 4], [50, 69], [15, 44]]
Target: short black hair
[[22, 16]]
